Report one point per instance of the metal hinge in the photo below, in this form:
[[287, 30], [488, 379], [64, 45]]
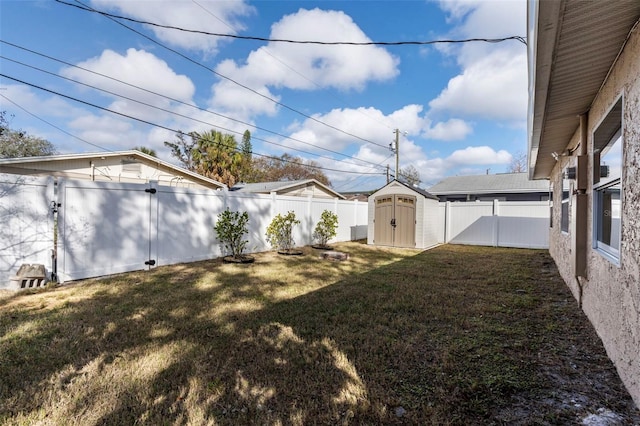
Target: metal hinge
[[151, 190], [150, 262]]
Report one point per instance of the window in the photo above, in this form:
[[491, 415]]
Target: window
[[607, 185]]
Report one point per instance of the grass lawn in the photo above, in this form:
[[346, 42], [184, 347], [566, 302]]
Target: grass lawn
[[454, 335]]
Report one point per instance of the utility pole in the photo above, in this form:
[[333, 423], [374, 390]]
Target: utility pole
[[397, 154]]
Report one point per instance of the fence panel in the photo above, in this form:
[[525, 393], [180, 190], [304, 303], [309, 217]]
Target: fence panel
[[26, 224], [355, 228], [471, 223], [185, 221], [259, 207], [523, 224], [103, 228]]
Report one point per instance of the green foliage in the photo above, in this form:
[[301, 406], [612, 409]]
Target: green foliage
[[145, 150], [212, 154], [326, 228], [279, 231], [230, 228], [286, 168], [16, 143]]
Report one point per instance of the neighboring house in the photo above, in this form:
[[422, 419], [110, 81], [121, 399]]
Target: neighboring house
[[501, 187], [120, 166], [584, 133], [296, 188]]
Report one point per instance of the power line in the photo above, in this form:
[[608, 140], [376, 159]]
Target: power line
[[279, 40], [284, 64], [170, 98], [178, 114], [165, 127], [151, 39], [53, 125]]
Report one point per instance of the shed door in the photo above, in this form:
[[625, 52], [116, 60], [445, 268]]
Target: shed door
[[405, 229], [395, 221], [383, 230]]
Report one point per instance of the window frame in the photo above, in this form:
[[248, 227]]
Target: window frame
[[602, 185]]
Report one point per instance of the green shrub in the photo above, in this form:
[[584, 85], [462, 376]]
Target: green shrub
[[279, 231], [230, 228], [326, 228]]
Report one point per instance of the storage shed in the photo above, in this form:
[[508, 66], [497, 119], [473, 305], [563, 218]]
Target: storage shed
[[403, 216]]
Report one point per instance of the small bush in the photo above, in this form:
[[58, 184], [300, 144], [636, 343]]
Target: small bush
[[279, 231], [230, 228], [326, 228]]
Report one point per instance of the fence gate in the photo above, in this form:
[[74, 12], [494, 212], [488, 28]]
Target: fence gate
[[103, 228], [395, 220]]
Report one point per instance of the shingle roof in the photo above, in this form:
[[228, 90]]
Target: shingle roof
[[489, 184], [266, 187]]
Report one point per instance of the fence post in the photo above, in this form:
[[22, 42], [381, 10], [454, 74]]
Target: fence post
[[496, 222], [274, 203], [447, 221], [154, 206], [309, 219]]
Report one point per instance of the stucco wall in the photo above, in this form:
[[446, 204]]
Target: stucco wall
[[610, 295]]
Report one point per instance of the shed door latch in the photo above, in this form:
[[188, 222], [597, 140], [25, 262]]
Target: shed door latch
[[150, 262], [150, 190]]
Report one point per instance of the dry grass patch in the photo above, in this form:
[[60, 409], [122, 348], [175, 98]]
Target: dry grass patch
[[454, 335]]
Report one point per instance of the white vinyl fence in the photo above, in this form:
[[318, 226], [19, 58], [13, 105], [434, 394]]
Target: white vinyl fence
[[105, 228], [26, 223], [521, 224]]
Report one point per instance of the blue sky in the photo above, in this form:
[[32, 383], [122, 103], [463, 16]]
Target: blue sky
[[461, 108]]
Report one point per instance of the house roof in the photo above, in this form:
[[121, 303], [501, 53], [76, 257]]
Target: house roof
[[573, 45], [23, 163], [267, 187], [489, 184]]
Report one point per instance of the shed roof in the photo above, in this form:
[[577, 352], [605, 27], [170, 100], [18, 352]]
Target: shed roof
[[489, 184], [24, 162], [420, 191], [572, 45], [267, 187]]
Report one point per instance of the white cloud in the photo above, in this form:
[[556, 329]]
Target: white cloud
[[478, 155], [105, 130], [137, 68], [305, 66], [492, 83], [492, 88], [205, 15], [51, 106], [451, 130]]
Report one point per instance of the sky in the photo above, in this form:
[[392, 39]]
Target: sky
[[90, 83]]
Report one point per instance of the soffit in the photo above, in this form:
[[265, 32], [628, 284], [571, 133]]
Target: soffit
[[577, 43]]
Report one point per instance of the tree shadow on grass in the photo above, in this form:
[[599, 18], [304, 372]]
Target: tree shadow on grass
[[420, 340]]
